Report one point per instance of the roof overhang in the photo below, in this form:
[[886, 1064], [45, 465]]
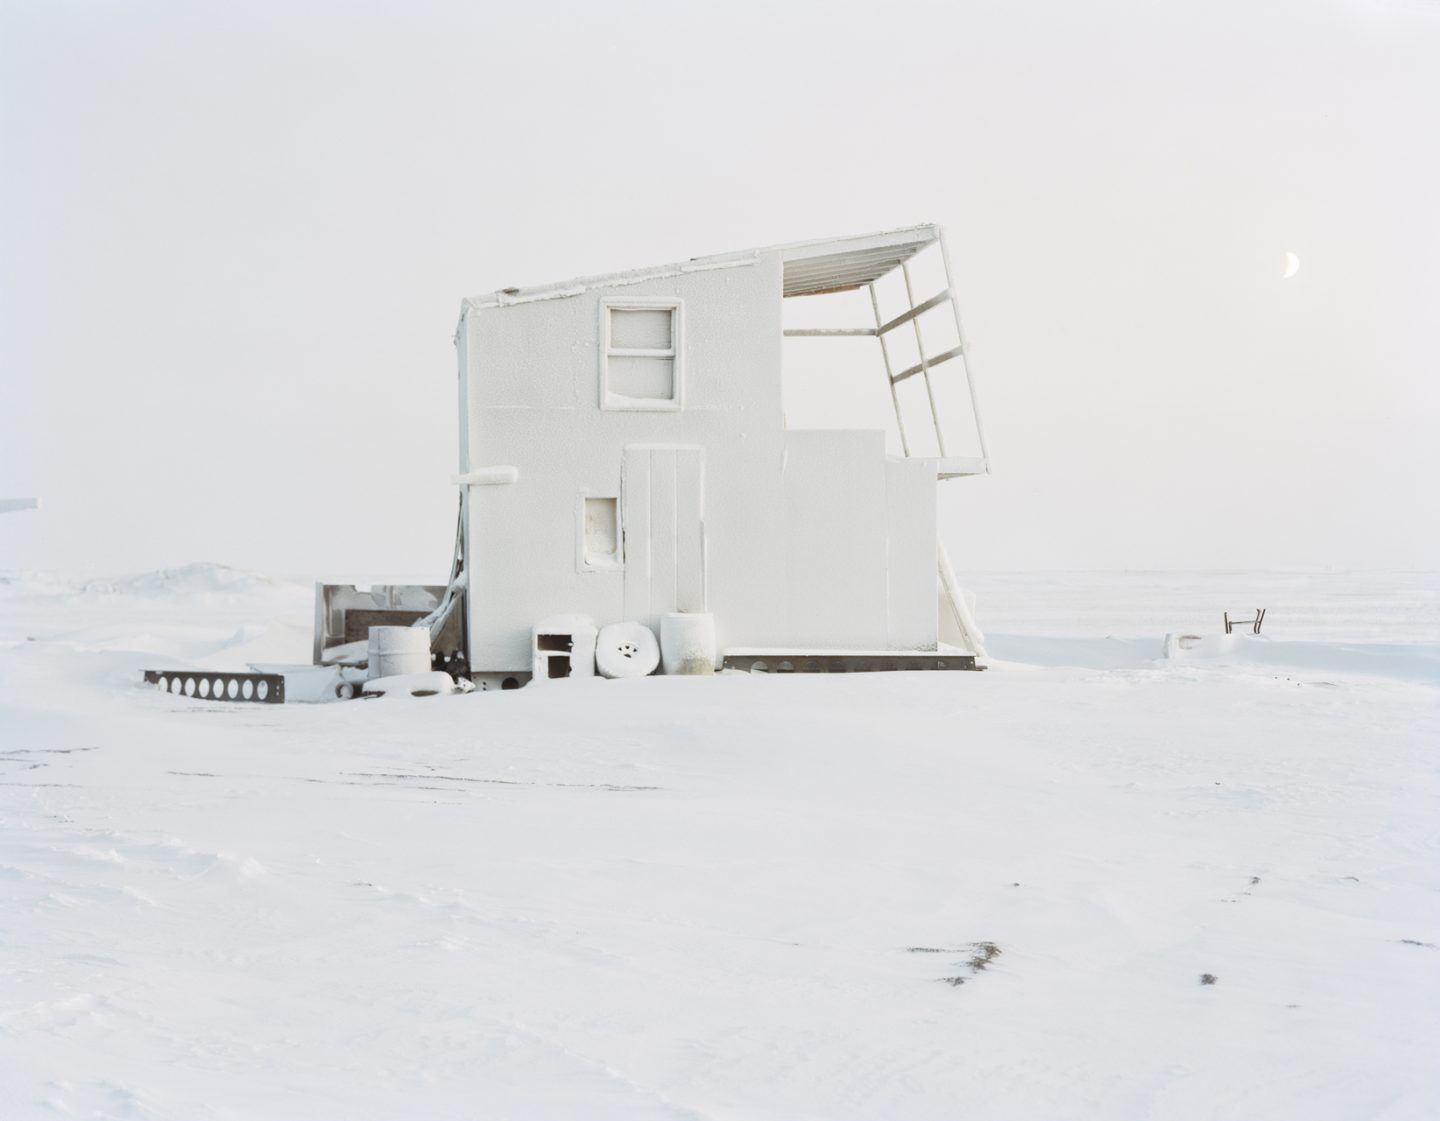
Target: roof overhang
[[811, 268], [814, 268]]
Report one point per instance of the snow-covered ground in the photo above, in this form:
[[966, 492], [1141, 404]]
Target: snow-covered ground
[[887, 896]]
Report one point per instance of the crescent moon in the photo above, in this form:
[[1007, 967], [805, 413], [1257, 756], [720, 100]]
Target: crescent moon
[[1292, 265]]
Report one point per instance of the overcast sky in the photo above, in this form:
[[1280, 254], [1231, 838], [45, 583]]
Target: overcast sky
[[235, 239]]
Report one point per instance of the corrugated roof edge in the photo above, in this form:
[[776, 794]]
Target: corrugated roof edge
[[504, 297]]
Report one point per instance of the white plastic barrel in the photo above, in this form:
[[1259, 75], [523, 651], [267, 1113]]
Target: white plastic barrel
[[626, 650], [687, 643], [398, 650]]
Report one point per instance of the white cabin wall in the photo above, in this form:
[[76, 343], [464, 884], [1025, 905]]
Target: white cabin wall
[[462, 349], [799, 529], [534, 378], [911, 619], [834, 495], [522, 569]]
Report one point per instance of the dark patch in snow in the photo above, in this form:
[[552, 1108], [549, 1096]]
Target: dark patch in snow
[[406, 778], [1254, 880], [1208, 978], [194, 774], [981, 955], [1416, 942], [441, 778], [386, 785], [46, 750]]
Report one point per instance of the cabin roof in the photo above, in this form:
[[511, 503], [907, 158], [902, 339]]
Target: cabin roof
[[811, 268]]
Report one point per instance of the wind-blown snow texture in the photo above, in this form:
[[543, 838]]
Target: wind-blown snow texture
[[890, 896]]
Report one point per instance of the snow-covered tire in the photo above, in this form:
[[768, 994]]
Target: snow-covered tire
[[626, 650]]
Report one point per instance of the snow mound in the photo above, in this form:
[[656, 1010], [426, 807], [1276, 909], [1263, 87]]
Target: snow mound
[[22, 583], [1149, 887], [1080, 653], [1414, 661], [199, 578], [1401, 661]]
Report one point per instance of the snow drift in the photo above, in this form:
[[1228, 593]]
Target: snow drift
[[917, 895]]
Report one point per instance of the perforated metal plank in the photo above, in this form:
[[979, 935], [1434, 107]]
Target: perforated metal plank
[[205, 685]]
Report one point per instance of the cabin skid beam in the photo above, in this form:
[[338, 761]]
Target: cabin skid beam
[[880, 661]]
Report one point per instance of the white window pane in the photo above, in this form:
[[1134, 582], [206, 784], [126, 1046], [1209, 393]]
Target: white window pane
[[648, 379], [602, 536], [640, 328]]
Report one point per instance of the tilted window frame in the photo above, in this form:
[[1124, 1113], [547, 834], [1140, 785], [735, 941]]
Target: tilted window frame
[[615, 402]]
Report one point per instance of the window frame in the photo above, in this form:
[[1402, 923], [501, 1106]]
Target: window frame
[[616, 402], [583, 563]]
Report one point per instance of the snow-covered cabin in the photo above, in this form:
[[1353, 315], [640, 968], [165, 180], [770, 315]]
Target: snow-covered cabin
[[624, 453]]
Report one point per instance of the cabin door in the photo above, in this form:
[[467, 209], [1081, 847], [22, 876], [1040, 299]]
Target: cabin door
[[662, 491]]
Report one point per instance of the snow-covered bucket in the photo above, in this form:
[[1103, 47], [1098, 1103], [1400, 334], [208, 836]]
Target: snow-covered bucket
[[399, 650], [687, 643]]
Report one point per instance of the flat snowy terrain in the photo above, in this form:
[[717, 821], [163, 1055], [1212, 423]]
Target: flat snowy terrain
[[903, 896]]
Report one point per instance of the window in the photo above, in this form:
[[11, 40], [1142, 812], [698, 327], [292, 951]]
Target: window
[[640, 355], [599, 533]]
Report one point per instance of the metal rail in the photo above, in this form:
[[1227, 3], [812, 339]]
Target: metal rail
[[889, 377], [928, 362]]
